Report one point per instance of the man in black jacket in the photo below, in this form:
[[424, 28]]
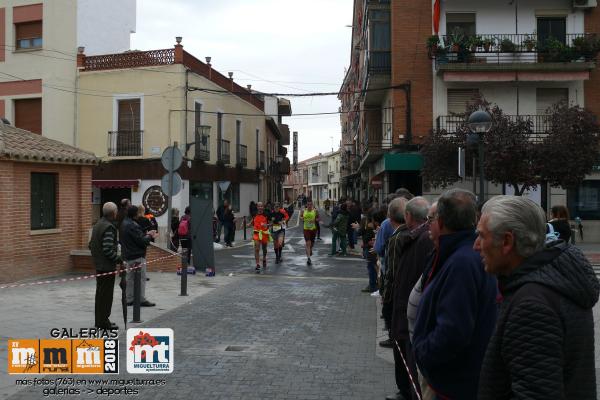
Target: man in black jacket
[[543, 344], [133, 250], [103, 245], [408, 253]]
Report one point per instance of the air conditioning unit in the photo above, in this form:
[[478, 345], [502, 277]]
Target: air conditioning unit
[[585, 3]]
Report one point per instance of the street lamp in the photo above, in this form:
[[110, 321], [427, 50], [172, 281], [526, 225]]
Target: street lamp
[[480, 123]]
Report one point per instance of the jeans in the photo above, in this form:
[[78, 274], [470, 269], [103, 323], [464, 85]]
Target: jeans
[[371, 267], [229, 233], [219, 230], [130, 279], [334, 239]]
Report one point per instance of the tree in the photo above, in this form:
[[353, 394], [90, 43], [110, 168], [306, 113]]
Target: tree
[[514, 154]]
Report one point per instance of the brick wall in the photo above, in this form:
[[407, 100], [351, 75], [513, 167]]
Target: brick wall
[[27, 256], [592, 86], [411, 26]]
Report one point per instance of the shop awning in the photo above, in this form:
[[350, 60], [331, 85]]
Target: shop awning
[[115, 183]]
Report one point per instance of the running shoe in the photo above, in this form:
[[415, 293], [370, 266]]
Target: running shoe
[[257, 269], [308, 262]]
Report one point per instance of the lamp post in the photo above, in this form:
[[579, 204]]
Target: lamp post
[[480, 123]]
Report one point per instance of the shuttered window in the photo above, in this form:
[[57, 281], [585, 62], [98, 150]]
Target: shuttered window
[[28, 35], [28, 114], [547, 97], [459, 98], [43, 201], [129, 115]]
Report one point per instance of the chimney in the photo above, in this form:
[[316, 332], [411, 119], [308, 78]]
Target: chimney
[[178, 58], [81, 57], [231, 79], [209, 66]]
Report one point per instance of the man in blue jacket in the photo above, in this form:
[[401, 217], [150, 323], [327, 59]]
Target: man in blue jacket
[[457, 311]]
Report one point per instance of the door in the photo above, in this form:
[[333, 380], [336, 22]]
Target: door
[[551, 27], [129, 136]]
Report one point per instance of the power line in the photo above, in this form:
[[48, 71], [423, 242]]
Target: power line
[[339, 112], [313, 94]]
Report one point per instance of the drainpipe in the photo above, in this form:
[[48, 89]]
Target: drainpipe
[[406, 87], [80, 65]]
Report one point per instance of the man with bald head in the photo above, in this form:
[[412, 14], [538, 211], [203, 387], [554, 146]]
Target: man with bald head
[[103, 245]]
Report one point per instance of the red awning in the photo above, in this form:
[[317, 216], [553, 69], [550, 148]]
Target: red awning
[[115, 183]]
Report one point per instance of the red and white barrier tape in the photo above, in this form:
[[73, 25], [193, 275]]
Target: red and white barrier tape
[[408, 371], [80, 278]]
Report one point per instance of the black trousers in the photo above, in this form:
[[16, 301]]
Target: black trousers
[[402, 378], [105, 287]]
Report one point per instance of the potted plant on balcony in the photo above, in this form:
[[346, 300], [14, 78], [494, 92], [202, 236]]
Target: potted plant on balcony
[[433, 43], [507, 46], [474, 42], [529, 43], [488, 42], [457, 40]]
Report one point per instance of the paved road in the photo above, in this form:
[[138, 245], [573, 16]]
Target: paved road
[[300, 333]]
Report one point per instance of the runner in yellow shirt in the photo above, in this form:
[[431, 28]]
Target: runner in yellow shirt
[[310, 218]]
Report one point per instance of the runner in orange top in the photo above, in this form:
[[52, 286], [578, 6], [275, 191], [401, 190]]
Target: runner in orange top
[[261, 235]]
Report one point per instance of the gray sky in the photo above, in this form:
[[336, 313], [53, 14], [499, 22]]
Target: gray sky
[[299, 46]]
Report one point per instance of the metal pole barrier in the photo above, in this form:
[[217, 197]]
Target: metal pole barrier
[[244, 227], [137, 293], [481, 171], [184, 269]]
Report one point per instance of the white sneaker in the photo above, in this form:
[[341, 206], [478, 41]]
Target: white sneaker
[[375, 294]]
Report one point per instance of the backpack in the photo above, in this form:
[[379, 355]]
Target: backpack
[[184, 228]]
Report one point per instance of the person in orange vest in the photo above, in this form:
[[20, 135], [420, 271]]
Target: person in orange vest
[[279, 218], [261, 235]]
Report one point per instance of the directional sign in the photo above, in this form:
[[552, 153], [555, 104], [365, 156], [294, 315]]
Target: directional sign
[[171, 158], [176, 188]]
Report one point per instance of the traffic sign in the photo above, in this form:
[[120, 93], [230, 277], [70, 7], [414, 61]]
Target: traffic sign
[[176, 185], [171, 158]]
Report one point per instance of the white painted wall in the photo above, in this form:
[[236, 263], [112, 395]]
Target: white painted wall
[[248, 193], [180, 201], [105, 26]]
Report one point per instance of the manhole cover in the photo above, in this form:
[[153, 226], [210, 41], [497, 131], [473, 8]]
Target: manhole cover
[[236, 348]]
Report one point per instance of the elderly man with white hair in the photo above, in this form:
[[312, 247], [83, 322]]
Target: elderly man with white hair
[[103, 245], [543, 344]]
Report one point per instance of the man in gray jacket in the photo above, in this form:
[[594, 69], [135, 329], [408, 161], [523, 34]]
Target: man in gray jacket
[[103, 245]]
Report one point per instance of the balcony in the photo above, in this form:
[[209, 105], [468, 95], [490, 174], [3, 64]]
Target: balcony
[[225, 155], [125, 143], [242, 156], [510, 57], [201, 146], [540, 124], [377, 139]]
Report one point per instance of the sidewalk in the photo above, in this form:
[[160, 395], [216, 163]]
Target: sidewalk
[[30, 312]]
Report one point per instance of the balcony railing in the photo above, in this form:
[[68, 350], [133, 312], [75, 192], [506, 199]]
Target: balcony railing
[[202, 146], [540, 124], [225, 156], [514, 48], [130, 59], [242, 155], [379, 62], [125, 143], [261, 164]]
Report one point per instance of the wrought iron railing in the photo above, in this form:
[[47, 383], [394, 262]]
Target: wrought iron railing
[[242, 155], [514, 48], [202, 146], [130, 59], [379, 62], [225, 156], [540, 124], [125, 143]]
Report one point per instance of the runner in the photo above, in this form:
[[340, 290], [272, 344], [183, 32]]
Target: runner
[[310, 216], [279, 218], [261, 235]]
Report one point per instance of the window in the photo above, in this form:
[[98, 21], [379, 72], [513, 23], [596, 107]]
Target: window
[[584, 202], [28, 114], [458, 99], [129, 133], [197, 116], [28, 35], [43, 201], [465, 22]]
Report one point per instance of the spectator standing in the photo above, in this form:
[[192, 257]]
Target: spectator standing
[[408, 254], [543, 344], [174, 235], [579, 227], [339, 227], [184, 231], [133, 248], [153, 222], [104, 246], [397, 226], [220, 215], [354, 214], [560, 222], [122, 213], [367, 232], [457, 311], [229, 226], [143, 221]]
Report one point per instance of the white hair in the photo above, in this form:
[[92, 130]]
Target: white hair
[[108, 209], [396, 209], [418, 207], [521, 216]]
